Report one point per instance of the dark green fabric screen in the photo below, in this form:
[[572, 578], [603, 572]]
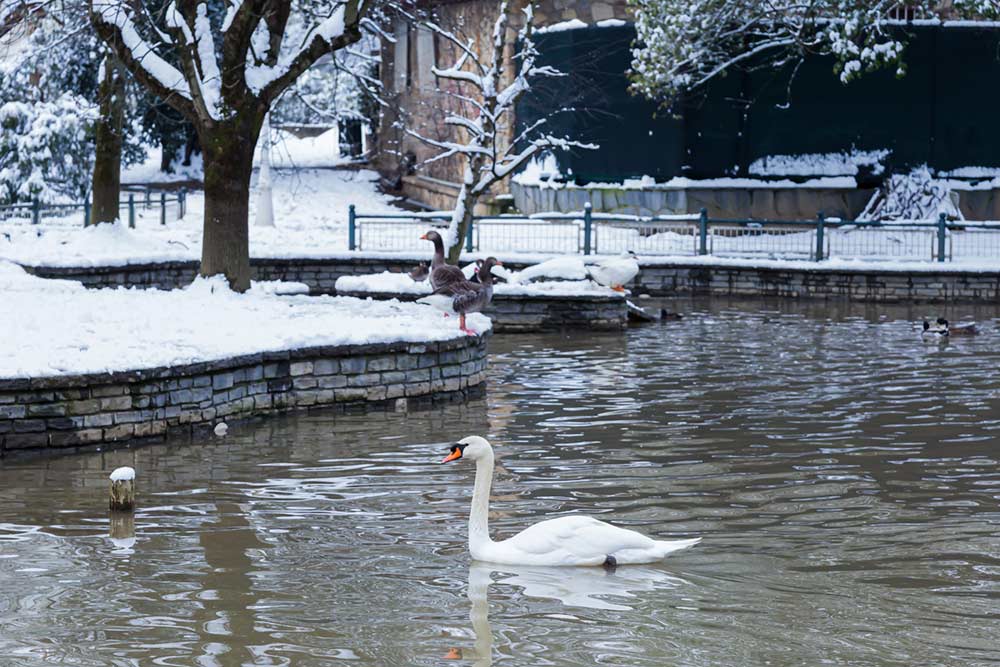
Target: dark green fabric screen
[[943, 112]]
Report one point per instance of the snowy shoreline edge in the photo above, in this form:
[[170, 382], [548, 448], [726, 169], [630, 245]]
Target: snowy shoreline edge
[[99, 408], [659, 276]]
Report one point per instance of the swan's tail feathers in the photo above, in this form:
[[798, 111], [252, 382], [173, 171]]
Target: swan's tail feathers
[[669, 546]]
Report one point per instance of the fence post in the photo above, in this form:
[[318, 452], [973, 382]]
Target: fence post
[[149, 202], [182, 203], [942, 232], [703, 232], [820, 225], [588, 222], [131, 211], [468, 235], [351, 226], [36, 211], [86, 212], [163, 208]]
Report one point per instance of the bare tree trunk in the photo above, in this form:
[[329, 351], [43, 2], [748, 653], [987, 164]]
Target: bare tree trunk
[[465, 206], [106, 187], [228, 155]]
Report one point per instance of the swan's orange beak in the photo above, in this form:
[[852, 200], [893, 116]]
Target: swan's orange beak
[[424, 237], [499, 263], [457, 454]]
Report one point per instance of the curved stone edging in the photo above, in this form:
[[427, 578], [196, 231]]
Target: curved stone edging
[[669, 277], [81, 410], [526, 313]]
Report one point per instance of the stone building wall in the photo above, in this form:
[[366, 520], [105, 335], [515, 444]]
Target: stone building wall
[[406, 75]]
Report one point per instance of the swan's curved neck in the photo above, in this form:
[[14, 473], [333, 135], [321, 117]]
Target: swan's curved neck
[[479, 530]]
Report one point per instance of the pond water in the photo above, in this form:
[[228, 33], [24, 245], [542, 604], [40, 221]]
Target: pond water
[[843, 474]]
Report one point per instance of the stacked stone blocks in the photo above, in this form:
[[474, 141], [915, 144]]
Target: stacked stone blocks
[[81, 410]]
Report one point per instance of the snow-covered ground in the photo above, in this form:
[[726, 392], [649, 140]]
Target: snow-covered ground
[[310, 208], [311, 221], [287, 151], [400, 283], [57, 327]]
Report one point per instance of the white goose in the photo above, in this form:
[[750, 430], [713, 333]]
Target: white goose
[[566, 540], [615, 272]]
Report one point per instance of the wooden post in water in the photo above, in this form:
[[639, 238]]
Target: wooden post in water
[[122, 490], [121, 530]]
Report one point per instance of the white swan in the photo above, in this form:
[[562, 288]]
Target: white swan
[[616, 272], [567, 540]]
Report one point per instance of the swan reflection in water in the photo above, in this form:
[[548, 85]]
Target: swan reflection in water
[[573, 586]]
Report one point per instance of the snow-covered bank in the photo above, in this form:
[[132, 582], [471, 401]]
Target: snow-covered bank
[[400, 283], [57, 327], [311, 211]]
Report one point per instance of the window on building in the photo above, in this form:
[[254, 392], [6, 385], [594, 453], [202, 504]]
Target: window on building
[[425, 58], [903, 13], [401, 56]]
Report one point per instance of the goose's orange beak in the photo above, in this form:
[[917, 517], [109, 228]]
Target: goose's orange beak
[[457, 454]]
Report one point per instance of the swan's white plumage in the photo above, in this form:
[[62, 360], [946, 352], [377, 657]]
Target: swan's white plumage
[[616, 272], [578, 540], [442, 302], [566, 540], [560, 268]]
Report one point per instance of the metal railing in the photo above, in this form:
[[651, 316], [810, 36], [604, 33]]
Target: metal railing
[[592, 233], [171, 207]]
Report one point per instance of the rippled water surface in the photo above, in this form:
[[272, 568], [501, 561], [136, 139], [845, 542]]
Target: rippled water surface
[[844, 476]]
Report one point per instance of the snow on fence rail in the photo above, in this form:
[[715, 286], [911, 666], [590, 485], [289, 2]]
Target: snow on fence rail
[[170, 206], [689, 234]]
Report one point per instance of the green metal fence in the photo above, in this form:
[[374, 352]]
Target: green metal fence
[[171, 206], [599, 233]]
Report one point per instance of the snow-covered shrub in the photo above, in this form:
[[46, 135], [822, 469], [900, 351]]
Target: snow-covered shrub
[[844, 163], [682, 44], [46, 150], [914, 196]]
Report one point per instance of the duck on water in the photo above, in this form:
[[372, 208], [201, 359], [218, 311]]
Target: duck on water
[[943, 329]]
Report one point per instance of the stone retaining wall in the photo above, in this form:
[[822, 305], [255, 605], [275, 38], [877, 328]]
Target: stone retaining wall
[[927, 286], [657, 278], [529, 313], [81, 410]]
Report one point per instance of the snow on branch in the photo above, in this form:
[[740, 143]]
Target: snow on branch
[[338, 29], [113, 20], [684, 44], [204, 76], [488, 82]]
